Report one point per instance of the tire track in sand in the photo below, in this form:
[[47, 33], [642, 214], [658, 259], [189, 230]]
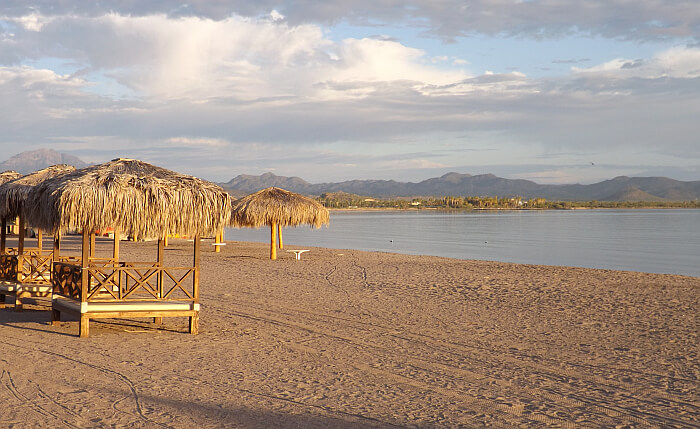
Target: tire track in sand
[[110, 372], [575, 381]]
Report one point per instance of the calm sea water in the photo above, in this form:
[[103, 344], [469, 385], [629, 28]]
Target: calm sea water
[[657, 241]]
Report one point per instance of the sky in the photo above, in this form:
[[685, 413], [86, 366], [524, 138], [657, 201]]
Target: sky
[[553, 91]]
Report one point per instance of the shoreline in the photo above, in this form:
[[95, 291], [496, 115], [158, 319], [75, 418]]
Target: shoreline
[[372, 209]]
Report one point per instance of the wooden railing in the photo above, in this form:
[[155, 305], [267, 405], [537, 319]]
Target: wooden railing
[[125, 281], [35, 266]]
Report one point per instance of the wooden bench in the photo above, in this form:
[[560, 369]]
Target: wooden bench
[[20, 291], [121, 309]]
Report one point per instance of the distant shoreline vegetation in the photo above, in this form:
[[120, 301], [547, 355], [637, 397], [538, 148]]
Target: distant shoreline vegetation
[[342, 200]]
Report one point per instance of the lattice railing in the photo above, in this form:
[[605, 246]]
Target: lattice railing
[[36, 266], [127, 281]]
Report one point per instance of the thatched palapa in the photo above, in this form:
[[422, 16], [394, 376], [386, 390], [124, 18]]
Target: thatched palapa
[[140, 199], [277, 207], [14, 193]]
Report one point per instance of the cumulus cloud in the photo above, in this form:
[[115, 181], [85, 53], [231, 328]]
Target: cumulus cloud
[[235, 57]]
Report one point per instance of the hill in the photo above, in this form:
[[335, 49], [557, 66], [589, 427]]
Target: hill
[[455, 184], [33, 160]]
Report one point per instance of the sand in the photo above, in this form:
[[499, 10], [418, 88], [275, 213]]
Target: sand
[[350, 339]]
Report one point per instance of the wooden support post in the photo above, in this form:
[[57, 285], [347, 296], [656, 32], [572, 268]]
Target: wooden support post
[[20, 236], [20, 250], [3, 236], [56, 246], [195, 262], [84, 326], [194, 319], [55, 255], [39, 239], [84, 264], [273, 241], [92, 244], [279, 233], [161, 256], [217, 240], [165, 240], [194, 324], [55, 317], [115, 246]]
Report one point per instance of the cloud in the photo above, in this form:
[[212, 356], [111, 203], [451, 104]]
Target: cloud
[[252, 93], [571, 61], [238, 58], [638, 20], [678, 62]]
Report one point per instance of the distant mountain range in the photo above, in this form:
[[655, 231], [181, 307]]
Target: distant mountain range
[[454, 184], [451, 184], [33, 160]]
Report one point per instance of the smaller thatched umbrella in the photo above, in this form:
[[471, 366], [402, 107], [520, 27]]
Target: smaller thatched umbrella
[[276, 207]]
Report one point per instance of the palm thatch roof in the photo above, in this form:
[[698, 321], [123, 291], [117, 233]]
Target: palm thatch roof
[[8, 175], [142, 200], [14, 193], [277, 206]]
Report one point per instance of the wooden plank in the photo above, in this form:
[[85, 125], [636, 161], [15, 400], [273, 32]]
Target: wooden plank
[[130, 314]]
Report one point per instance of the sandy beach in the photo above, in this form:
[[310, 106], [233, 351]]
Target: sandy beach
[[351, 339]]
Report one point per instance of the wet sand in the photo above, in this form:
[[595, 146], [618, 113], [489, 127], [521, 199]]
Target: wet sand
[[352, 339]]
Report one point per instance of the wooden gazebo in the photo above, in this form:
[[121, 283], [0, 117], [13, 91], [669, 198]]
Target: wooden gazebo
[[144, 202], [277, 208], [24, 271]]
